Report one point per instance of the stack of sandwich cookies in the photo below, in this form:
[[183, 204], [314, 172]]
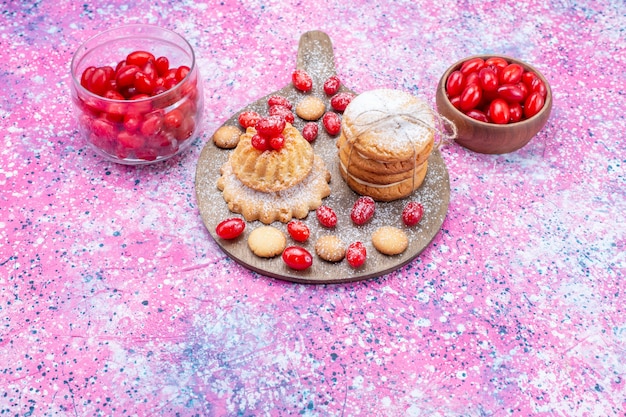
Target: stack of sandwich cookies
[[386, 139]]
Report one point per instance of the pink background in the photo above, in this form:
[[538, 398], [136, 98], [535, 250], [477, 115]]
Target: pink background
[[114, 299]]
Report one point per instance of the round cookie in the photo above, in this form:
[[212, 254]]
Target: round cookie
[[330, 248], [388, 125], [267, 241], [227, 136], [390, 240], [310, 108]]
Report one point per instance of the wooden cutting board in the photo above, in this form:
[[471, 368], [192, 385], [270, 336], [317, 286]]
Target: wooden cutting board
[[315, 55]]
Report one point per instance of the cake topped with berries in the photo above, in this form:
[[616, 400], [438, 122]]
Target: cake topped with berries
[[271, 170], [273, 174]]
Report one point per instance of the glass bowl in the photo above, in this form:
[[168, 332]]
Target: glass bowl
[[137, 94], [487, 137]]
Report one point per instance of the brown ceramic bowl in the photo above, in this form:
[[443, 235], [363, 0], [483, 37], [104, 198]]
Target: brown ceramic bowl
[[491, 138]]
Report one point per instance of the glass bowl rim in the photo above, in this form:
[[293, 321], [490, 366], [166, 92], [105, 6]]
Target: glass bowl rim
[[77, 84]]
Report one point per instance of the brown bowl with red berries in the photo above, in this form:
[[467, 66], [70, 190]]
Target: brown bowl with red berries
[[137, 94], [497, 103]]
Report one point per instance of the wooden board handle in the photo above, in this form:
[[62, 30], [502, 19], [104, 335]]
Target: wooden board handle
[[316, 56]]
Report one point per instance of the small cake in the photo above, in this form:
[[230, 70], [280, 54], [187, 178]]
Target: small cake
[[272, 170], [274, 185], [386, 139]]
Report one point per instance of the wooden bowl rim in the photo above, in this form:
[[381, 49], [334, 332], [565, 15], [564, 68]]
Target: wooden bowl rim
[[546, 108]]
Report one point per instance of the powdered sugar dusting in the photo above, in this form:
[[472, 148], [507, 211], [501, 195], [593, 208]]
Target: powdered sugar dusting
[[434, 194], [309, 59], [410, 119], [291, 202]]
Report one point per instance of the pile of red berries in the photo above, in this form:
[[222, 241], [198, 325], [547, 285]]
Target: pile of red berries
[[269, 129], [269, 133], [495, 90], [141, 74], [127, 122]]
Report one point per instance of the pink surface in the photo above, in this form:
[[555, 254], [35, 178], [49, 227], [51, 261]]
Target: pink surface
[[114, 300]]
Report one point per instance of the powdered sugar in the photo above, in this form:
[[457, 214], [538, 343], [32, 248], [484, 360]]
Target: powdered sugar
[[282, 205], [433, 194], [387, 113]]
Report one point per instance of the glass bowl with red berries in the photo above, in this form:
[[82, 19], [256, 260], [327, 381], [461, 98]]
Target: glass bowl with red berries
[[498, 103], [137, 94]]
